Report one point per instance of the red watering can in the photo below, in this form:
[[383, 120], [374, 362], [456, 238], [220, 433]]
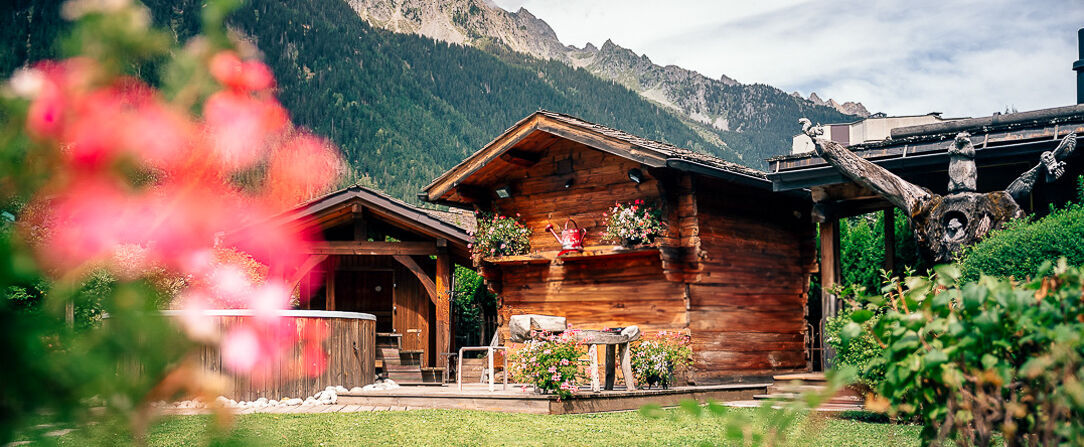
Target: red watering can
[[571, 239]]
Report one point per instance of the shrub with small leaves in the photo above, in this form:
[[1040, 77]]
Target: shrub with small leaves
[[500, 235]]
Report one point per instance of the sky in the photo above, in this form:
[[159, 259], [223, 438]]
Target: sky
[[901, 57]]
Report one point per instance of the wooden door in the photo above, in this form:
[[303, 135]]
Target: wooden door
[[412, 314], [368, 291]]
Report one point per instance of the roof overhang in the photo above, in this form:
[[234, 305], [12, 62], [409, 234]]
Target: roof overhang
[[1010, 142], [442, 188], [340, 206]]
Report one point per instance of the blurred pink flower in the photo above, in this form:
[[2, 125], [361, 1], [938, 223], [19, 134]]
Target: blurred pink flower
[[241, 350]]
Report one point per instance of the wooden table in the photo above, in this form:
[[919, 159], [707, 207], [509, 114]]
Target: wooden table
[[616, 345]]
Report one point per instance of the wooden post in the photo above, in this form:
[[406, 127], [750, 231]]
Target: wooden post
[[890, 240], [443, 283], [329, 288], [611, 351], [360, 231], [626, 366], [592, 352], [830, 275]]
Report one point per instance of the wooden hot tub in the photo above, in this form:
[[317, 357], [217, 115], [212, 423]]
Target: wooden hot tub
[[350, 347]]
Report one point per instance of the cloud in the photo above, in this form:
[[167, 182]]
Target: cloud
[[963, 58]]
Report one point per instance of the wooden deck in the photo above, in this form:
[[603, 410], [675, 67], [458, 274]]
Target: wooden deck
[[517, 400]]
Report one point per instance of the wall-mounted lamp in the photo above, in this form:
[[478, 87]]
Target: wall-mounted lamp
[[504, 192], [636, 175], [570, 182]]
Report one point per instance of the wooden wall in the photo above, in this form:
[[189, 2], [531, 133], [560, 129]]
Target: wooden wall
[[732, 269], [597, 294], [747, 300], [599, 179]]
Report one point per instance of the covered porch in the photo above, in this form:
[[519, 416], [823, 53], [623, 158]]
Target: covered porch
[[390, 259]]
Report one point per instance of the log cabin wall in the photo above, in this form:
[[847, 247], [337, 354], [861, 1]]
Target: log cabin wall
[[598, 180], [591, 293], [747, 299]]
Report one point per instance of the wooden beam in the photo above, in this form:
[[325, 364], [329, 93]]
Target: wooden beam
[[444, 300], [311, 262], [520, 157], [329, 290], [364, 248], [360, 231], [890, 240], [830, 276], [418, 272]]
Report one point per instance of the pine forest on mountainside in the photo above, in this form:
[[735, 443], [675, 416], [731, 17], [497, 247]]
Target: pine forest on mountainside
[[405, 108]]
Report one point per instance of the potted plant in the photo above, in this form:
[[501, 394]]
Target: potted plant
[[656, 358], [633, 224], [550, 363], [500, 235]]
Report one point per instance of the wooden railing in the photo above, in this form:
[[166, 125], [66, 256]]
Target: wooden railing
[[350, 347]]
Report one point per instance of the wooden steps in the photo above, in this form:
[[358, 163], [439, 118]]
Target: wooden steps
[[789, 387], [404, 366]]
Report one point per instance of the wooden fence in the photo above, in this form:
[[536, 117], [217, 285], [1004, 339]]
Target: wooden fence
[[350, 347]]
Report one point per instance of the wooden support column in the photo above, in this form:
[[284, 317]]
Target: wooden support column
[[890, 241], [830, 276], [443, 283], [360, 231], [329, 292]]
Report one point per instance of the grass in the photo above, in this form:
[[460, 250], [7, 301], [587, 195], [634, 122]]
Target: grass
[[462, 427]]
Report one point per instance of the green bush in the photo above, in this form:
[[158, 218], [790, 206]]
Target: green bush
[[860, 352], [971, 360], [1023, 245]]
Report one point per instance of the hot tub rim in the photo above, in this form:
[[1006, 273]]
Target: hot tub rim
[[297, 313]]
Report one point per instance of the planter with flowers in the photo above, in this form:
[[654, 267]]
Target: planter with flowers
[[633, 224], [500, 235], [657, 358], [550, 363]]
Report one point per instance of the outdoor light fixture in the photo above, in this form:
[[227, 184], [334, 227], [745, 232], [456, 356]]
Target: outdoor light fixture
[[570, 182], [504, 192], [636, 175]]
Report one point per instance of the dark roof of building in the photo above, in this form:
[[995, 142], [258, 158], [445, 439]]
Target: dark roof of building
[[425, 221], [997, 139], [665, 149]]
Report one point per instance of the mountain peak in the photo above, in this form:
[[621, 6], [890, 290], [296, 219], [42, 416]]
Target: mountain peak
[[849, 107]]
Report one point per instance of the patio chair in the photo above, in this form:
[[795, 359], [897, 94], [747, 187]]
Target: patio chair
[[487, 373]]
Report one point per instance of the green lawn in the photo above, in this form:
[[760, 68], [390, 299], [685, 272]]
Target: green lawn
[[462, 427]]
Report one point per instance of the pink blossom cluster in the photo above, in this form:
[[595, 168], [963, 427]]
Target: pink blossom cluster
[[550, 362], [633, 223], [500, 235], [133, 172]]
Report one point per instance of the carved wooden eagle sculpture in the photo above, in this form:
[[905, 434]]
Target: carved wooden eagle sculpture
[[945, 223]]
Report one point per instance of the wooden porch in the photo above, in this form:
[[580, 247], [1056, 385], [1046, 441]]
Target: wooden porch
[[516, 399]]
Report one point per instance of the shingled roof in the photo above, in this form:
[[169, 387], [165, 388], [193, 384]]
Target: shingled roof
[[651, 153], [665, 149]]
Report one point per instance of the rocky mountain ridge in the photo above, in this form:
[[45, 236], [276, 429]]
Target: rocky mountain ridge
[[477, 22]]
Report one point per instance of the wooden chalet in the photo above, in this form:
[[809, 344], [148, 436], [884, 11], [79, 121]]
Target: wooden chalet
[[732, 268], [384, 257], [1005, 147]]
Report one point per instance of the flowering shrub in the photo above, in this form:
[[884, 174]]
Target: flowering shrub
[[121, 177], [633, 223], [656, 357], [549, 362], [500, 235]]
